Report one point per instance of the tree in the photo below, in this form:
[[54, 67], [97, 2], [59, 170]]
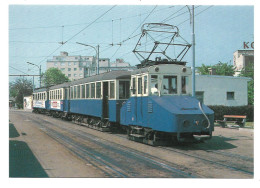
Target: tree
[[221, 69], [54, 76], [20, 88], [248, 71], [204, 69]]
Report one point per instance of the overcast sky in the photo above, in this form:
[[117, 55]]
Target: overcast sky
[[35, 31]]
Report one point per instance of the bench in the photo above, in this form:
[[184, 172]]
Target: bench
[[239, 119]]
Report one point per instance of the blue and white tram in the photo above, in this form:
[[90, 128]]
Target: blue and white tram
[[161, 106], [40, 100], [95, 101]]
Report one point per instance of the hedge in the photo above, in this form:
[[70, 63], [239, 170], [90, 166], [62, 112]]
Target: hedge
[[220, 111]]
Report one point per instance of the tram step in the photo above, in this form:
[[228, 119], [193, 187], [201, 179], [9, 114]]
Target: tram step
[[137, 135]]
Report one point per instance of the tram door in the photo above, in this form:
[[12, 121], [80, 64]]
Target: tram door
[[139, 100], [105, 100]]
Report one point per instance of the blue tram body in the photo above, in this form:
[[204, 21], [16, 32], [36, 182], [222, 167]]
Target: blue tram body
[[151, 103], [160, 103], [167, 114]]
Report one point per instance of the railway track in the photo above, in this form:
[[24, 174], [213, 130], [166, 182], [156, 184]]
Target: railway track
[[214, 160], [113, 168], [128, 161]]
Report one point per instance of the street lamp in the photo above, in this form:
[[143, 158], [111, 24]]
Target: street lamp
[[39, 67], [97, 54]]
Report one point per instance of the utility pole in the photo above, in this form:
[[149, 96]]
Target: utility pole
[[40, 72], [98, 59], [193, 54]]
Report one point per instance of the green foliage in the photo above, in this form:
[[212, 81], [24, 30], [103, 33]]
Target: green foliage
[[204, 69], [249, 72], [221, 69], [54, 76], [220, 111], [20, 88]]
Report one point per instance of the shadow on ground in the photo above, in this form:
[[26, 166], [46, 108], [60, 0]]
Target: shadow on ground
[[22, 162], [12, 131]]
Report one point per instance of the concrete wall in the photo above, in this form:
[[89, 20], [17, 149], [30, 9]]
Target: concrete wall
[[215, 89]]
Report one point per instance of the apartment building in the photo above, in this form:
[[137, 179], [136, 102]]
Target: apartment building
[[74, 67]]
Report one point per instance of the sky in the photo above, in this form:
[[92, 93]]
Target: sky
[[36, 30]]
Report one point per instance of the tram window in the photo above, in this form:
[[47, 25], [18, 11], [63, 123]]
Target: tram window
[[98, 90], [74, 92], [87, 91], [124, 89], [145, 84], [58, 94], [140, 85], [93, 90], [55, 94], [112, 90], [184, 84], [71, 92], [133, 86], [154, 84], [78, 92], [83, 91], [169, 85], [61, 93]]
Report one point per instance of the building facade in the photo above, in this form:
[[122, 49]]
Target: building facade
[[77, 67], [222, 90], [241, 59], [74, 67]]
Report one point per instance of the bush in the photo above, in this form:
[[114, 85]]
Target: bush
[[220, 111]]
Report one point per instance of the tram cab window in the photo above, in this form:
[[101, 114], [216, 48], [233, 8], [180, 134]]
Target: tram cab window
[[154, 85], [133, 86], [184, 84], [140, 85], [169, 85], [124, 92], [145, 84]]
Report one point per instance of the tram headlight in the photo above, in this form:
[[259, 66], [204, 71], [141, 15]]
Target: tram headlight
[[205, 123], [186, 123]]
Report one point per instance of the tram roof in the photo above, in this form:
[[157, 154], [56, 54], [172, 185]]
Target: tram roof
[[120, 74]]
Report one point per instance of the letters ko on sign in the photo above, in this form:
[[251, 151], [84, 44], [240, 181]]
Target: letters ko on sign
[[246, 45]]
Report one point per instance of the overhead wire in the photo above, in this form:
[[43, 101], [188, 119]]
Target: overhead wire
[[135, 30], [71, 25], [147, 43], [77, 34]]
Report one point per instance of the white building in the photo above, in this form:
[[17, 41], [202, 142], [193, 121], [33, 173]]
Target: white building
[[241, 59], [74, 67], [222, 90]]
